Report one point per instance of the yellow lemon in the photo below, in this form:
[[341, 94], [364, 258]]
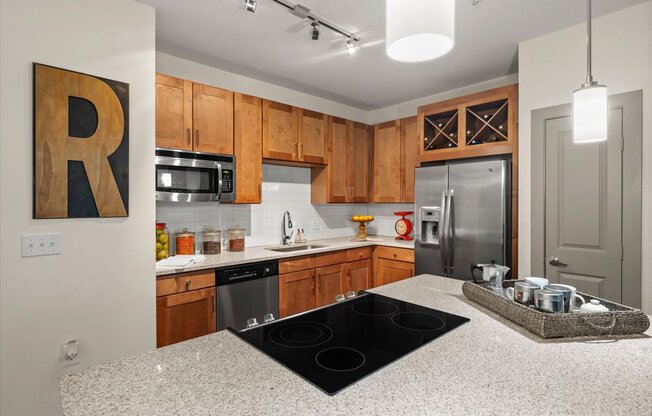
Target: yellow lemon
[[163, 238], [162, 254], [159, 247]]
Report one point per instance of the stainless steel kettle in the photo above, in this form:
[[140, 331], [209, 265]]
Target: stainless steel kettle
[[492, 273]]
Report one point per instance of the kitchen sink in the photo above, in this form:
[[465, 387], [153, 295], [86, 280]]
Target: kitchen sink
[[290, 249]]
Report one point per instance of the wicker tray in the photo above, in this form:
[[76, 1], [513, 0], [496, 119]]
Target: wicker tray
[[620, 320]]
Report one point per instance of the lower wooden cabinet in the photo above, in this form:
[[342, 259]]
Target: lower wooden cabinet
[[328, 283], [296, 292], [392, 265], [357, 276], [184, 316]]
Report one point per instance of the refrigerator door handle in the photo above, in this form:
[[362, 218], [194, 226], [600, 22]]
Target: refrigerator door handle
[[442, 232], [450, 232]]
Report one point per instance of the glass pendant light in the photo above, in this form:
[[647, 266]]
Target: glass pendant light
[[419, 30], [589, 102]]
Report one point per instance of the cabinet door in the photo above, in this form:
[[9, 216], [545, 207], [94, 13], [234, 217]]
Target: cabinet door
[[337, 183], [313, 129], [389, 271], [185, 316], [248, 143], [212, 119], [357, 275], [409, 157], [280, 131], [296, 292], [173, 112], [328, 282], [358, 162], [387, 163]]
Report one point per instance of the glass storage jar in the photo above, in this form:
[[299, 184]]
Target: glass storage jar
[[236, 236], [211, 241], [185, 242], [162, 241]]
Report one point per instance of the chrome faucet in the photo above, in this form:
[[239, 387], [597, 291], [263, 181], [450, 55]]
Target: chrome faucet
[[286, 237]]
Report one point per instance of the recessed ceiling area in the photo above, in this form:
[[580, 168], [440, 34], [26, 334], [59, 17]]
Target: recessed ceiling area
[[274, 46]]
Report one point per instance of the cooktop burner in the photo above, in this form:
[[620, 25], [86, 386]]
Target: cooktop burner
[[301, 334], [340, 359], [374, 307], [337, 345], [415, 321]]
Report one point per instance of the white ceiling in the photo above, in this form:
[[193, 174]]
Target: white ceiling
[[274, 46]]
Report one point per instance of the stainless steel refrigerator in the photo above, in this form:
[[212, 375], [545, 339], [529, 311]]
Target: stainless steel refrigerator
[[463, 216]]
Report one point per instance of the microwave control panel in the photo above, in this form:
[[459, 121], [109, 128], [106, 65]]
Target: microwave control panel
[[227, 181]]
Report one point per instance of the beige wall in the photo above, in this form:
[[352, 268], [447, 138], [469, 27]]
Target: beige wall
[[101, 289], [552, 66]]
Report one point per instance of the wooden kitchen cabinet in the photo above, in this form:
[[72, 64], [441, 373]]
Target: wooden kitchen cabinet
[[173, 112], [280, 131], [328, 283], [392, 264], [184, 316], [346, 177], [409, 156], [296, 292], [313, 129], [212, 119], [248, 146], [193, 116], [357, 276], [395, 158]]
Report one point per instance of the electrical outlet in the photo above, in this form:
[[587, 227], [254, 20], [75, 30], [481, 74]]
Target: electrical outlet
[[41, 244], [315, 225], [69, 353]]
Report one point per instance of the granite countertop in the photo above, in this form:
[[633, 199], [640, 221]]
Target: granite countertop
[[488, 366], [254, 254]]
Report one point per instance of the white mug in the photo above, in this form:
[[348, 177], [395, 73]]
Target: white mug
[[574, 296], [539, 281]]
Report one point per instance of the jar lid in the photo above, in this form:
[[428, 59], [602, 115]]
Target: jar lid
[[185, 232], [160, 225], [211, 231], [236, 228]]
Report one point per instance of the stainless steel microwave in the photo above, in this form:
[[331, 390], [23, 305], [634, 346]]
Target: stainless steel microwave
[[194, 177]]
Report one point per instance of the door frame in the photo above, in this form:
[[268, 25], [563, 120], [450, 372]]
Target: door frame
[[631, 104]]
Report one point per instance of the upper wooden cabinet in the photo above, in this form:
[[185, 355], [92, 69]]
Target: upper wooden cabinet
[[212, 119], [173, 112], [313, 128], [394, 160], [346, 178], [193, 116], [409, 156], [480, 124], [280, 131], [294, 134], [248, 146]]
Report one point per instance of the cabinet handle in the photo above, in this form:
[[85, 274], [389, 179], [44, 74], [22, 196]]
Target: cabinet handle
[[212, 304], [296, 151], [189, 136], [300, 151], [260, 190], [188, 283], [197, 137]]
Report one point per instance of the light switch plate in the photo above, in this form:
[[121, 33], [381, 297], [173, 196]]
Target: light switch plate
[[42, 244]]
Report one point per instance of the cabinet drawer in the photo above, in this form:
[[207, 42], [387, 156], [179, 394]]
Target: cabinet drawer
[[184, 282], [400, 254], [296, 264], [356, 254], [327, 259]]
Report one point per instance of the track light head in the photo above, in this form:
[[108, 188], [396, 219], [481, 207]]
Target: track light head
[[314, 32], [250, 5], [351, 46]]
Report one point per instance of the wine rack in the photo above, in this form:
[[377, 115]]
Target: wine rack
[[440, 131], [487, 123]]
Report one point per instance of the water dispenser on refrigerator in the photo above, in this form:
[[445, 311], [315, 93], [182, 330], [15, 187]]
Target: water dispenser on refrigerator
[[430, 225]]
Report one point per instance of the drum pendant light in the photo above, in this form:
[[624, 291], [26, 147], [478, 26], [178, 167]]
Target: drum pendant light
[[419, 30], [589, 102]]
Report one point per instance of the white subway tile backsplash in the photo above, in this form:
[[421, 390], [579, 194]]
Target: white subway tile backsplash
[[284, 188]]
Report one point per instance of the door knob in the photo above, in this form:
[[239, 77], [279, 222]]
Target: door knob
[[556, 262]]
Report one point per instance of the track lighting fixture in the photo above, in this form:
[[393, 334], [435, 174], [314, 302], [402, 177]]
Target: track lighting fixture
[[250, 5], [314, 32]]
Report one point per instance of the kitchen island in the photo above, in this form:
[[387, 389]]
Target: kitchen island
[[488, 366]]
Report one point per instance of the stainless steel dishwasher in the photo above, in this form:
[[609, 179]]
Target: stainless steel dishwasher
[[246, 291]]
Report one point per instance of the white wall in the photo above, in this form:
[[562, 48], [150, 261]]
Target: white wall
[[552, 66], [101, 289]]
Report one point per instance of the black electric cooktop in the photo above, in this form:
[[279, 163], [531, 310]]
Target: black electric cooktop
[[335, 346]]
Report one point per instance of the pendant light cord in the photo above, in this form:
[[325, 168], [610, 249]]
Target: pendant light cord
[[589, 75]]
